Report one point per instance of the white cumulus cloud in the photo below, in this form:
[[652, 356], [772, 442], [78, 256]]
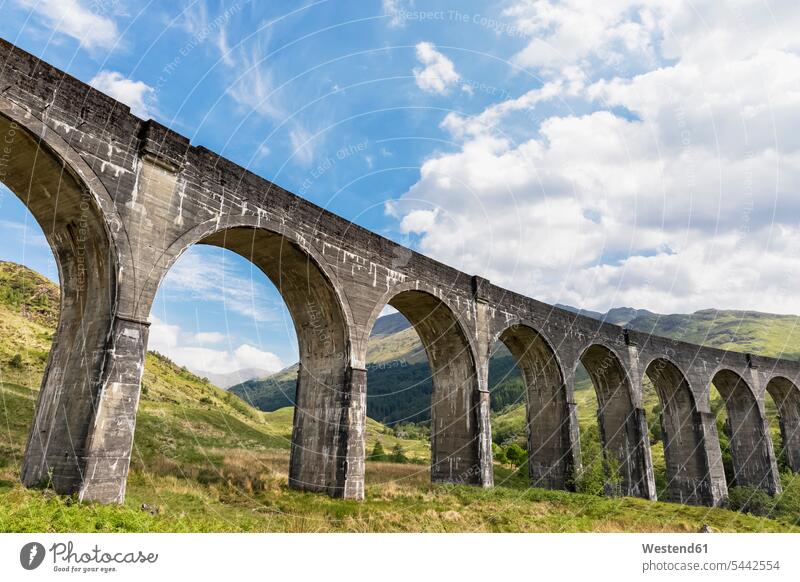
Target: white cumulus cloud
[[438, 74], [672, 186], [137, 95], [73, 18], [190, 350]]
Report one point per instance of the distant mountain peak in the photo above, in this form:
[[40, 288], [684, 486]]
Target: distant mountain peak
[[615, 315], [389, 324]]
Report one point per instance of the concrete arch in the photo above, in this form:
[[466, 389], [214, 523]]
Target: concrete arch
[[786, 396], [751, 448], [550, 451], [205, 231], [326, 395], [623, 427], [53, 146], [690, 476], [81, 223], [421, 287], [459, 420]]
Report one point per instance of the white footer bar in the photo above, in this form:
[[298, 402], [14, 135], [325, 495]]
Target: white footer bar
[[400, 557]]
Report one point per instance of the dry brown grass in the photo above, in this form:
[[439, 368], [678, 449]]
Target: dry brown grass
[[241, 470]]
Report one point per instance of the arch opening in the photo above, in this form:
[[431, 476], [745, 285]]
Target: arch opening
[[455, 405], [550, 462], [679, 425], [325, 395], [623, 427], [76, 230], [785, 397], [400, 387], [752, 462]]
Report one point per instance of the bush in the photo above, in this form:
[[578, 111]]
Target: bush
[[516, 455], [378, 453], [750, 500], [16, 361], [499, 454], [787, 506], [654, 419], [398, 454], [591, 480]]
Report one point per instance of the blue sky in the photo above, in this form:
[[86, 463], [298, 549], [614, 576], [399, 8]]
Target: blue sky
[[597, 154]]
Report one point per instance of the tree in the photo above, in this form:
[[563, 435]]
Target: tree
[[655, 424], [499, 454], [516, 455], [399, 454], [378, 454]]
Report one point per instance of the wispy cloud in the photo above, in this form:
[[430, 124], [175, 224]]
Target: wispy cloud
[[254, 86], [252, 79], [205, 275], [90, 28], [302, 144], [394, 10], [28, 233]]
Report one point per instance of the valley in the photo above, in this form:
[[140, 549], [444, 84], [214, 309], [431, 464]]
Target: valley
[[205, 460]]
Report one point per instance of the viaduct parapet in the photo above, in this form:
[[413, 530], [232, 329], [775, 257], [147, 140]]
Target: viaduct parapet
[[120, 199]]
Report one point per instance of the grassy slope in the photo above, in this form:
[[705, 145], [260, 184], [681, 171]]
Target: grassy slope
[[745, 331], [398, 376], [205, 461]]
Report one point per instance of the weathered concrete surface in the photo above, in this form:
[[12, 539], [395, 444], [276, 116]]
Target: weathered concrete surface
[[787, 399], [682, 430], [120, 199]]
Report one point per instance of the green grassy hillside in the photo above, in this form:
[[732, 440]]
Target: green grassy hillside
[[398, 376], [764, 334], [206, 461]]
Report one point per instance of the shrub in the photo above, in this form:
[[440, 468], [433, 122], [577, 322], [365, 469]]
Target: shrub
[[750, 500], [398, 454], [591, 480], [16, 361], [499, 454], [613, 475], [787, 506], [516, 455], [378, 452], [654, 420]]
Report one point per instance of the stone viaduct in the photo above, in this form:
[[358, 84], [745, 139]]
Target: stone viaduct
[[120, 199]]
